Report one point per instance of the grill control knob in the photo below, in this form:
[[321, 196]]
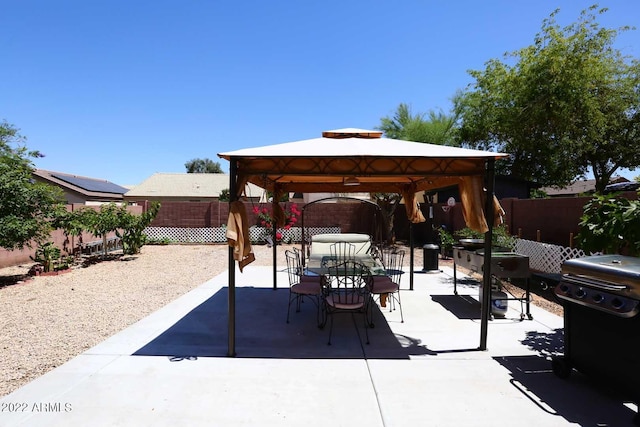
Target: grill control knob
[[617, 303], [581, 293], [564, 289], [598, 298]]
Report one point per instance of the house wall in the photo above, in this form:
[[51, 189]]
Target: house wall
[[74, 198]]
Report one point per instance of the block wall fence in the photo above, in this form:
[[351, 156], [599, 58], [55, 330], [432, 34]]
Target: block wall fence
[[552, 220]]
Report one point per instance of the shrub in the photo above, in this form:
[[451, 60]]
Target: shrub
[[610, 224]]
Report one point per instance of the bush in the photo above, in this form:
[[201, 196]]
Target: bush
[[132, 228], [49, 257], [610, 224]]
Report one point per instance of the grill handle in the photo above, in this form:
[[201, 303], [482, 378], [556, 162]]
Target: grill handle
[[581, 280]]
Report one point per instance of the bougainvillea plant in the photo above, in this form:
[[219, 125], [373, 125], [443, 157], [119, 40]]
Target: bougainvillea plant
[[265, 217]]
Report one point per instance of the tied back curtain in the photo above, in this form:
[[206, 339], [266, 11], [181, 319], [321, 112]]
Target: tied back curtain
[[238, 229], [473, 195], [411, 205]]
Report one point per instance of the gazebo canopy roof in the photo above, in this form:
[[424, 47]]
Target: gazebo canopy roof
[[356, 160]]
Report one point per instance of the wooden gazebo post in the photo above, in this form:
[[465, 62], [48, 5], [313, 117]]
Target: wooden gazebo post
[[485, 306], [231, 296]]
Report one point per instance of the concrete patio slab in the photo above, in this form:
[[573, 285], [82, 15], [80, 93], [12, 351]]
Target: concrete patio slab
[[171, 367]]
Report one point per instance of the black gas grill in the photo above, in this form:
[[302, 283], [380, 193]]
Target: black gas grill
[[601, 300]]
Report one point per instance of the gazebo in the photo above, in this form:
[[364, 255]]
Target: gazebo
[[358, 160]]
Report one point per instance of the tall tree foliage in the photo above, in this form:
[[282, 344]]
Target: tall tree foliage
[[565, 105], [25, 206], [203, 166], [434, 128]]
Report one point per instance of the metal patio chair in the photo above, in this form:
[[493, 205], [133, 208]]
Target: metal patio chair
[[388, 286], [349, 293], [301, 286]]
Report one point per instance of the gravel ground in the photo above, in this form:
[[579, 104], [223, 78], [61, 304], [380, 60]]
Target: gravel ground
[[47, 320]]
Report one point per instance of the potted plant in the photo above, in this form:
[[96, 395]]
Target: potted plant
[[446, 242]]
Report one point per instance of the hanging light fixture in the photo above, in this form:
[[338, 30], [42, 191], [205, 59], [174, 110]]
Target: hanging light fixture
[[350, 181]]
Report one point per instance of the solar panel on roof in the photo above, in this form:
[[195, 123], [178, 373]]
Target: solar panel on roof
[[92, 184]]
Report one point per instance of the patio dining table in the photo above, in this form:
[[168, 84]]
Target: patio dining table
[[319, 266]]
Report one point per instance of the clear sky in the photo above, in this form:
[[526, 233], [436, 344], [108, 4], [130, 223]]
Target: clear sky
[[119, 90]]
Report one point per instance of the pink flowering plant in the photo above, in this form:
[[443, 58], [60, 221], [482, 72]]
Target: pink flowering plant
[[265, 218]]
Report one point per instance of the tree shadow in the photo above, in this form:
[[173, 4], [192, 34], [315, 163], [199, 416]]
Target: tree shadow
[[580, 399], [14, 279]]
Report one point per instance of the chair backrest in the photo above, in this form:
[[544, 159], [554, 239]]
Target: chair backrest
[[293, 267], [393, 261], [298, 253], [351, 282], [342, 251]]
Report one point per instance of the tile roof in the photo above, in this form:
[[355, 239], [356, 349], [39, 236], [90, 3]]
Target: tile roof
[[194, 185]]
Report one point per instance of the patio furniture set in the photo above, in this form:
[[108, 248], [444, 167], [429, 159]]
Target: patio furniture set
[[345, 273]]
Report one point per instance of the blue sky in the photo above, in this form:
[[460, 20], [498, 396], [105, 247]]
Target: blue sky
[[120, 90]]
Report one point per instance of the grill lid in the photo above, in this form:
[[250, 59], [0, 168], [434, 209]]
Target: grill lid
[[617, 269], [610, 283]]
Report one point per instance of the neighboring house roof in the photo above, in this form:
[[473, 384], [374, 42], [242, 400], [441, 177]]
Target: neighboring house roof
[[574, 189], [85, 187], [577, 188], [186, 185]]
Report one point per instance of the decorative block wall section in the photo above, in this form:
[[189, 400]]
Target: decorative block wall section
[[187, 235], [258, 235]]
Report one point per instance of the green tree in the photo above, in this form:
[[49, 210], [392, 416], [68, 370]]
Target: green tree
[[132, 228], [101, 222], [203, 166], [25, 205], [566, 104], [224, 196], [434, 128]]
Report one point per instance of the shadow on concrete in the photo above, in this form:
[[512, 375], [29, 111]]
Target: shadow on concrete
[[461, 306], [577, 400], [262, 332]]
